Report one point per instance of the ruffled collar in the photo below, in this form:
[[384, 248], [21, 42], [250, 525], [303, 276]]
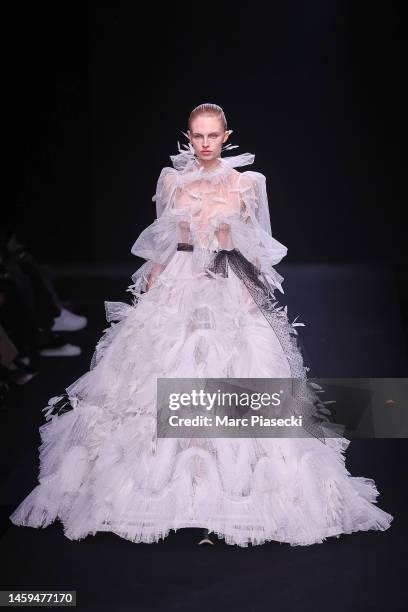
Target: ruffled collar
[[187, 164]]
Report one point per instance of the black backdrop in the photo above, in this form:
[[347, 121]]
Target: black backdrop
[[97, 98], [100, 93]]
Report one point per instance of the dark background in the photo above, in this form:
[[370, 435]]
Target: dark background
[[100, 93], [97, 97]]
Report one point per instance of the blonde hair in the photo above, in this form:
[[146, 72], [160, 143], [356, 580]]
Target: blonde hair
[[208, 109]]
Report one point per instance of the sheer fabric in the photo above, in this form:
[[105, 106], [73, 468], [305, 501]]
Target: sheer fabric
[[211, 209]]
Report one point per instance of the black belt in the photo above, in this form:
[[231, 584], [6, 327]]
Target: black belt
[[185, 246]]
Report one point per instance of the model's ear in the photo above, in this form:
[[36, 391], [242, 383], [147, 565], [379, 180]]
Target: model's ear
[[227, 135]]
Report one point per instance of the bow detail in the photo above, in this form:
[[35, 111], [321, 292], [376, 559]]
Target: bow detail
[[240, 265]]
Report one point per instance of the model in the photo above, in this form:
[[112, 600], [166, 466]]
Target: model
[[203, 307]]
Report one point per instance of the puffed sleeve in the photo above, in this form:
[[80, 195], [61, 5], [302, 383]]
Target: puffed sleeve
[[158, 242], [252, 234]]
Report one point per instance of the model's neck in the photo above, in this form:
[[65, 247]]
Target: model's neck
[[210, 164]]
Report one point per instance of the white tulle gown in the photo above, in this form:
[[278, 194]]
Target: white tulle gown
[[101, 466]]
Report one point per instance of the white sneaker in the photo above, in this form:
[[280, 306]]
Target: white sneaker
[[67, 350], [68, 321]]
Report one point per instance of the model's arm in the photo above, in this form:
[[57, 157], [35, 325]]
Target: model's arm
[[155, 272], [225, 239], [158, 242], [248, 221], [257, 242]]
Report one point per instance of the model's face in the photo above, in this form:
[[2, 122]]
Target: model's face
[[207, 135]]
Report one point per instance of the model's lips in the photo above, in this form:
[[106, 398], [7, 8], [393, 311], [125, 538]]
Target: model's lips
[[204, 152]]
